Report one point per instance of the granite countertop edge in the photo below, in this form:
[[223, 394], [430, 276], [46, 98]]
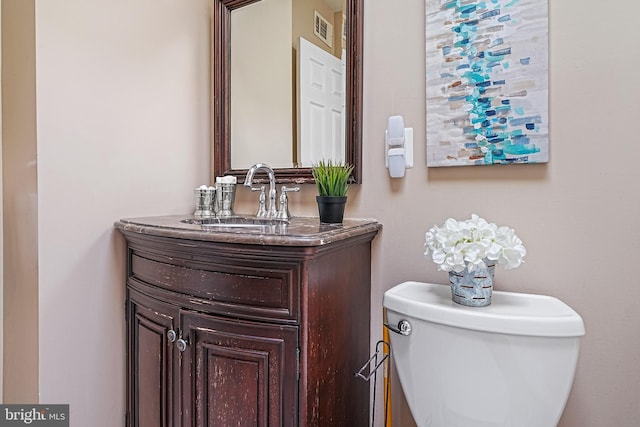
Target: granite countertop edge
[[301, 231]]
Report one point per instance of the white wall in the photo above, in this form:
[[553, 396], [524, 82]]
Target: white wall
[[122, 130], [578, 215]]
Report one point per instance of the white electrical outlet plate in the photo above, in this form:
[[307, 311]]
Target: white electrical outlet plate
[[408, 147]]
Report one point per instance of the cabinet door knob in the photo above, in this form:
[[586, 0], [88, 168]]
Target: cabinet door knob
[[181, 345], [171, 335]]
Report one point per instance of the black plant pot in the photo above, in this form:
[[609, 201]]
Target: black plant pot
[[331, 208]]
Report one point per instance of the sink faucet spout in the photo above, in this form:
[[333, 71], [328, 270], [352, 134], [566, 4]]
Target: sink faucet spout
[[248, 182]]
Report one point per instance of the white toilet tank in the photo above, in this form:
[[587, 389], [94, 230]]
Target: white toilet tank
[[509, 364]]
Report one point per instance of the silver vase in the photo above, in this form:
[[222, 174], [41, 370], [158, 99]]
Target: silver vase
[[473, 289]]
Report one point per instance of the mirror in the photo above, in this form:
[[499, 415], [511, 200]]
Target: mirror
[[238, 126]]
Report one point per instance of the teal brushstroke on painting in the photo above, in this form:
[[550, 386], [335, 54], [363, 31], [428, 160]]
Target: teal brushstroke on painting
[[520, 150], [450, 5], [475, 77]]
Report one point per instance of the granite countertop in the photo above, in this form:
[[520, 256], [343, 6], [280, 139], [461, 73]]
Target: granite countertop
[[299, 231]]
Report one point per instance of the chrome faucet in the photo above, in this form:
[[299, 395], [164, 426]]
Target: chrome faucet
[[272, 211]]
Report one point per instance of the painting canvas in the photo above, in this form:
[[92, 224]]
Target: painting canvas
[[487, 82]]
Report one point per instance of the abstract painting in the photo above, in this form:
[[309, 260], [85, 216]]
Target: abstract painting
[[487, 82]]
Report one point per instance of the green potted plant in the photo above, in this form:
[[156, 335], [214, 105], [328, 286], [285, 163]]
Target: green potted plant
[[332, 180]]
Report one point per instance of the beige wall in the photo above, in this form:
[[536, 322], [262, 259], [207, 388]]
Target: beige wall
[[122, 101], [20, 204], [261, 88], [578, 215]]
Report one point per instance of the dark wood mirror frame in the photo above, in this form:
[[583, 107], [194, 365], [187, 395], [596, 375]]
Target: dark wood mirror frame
[[220, 90]]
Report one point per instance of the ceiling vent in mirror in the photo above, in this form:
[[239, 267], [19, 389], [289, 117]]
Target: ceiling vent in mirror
[[322, 28]]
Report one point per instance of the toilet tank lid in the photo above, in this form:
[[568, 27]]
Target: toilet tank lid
[[509, 313]]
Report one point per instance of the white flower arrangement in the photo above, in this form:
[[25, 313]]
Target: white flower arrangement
[[457, 245]]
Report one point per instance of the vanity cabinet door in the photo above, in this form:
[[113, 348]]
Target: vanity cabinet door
[[239, 373], [151, 362]]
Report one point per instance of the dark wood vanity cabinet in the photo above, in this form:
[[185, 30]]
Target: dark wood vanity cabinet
[[237, 334]]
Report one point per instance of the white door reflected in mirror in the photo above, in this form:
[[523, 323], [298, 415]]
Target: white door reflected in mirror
[[320, 105]]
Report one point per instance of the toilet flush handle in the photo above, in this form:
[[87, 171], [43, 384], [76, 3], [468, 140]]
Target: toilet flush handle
[[403, 328]]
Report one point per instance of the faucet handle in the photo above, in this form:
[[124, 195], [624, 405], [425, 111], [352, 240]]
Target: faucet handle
[[283, 211], [262, 210], [288, 189]]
